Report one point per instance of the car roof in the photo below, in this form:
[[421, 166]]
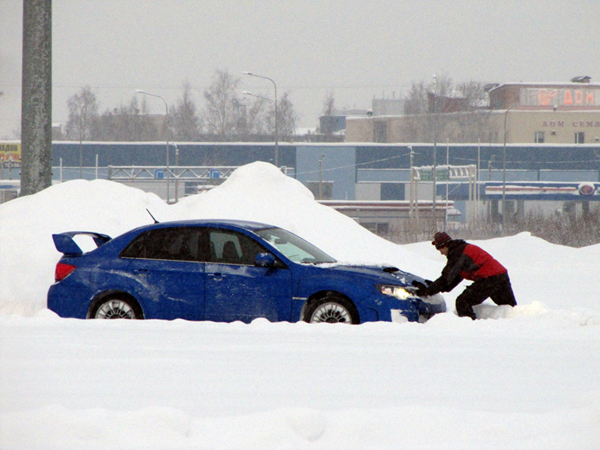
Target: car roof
[[246, 224]]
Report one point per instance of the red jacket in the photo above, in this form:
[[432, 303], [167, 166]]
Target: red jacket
[[465, 261]]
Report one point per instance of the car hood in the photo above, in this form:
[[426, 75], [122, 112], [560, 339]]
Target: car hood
[[382, 274]]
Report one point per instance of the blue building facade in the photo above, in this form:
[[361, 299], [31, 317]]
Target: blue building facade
[[344, 165]]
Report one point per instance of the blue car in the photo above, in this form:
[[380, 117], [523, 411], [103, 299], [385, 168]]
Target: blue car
[[225, 271]]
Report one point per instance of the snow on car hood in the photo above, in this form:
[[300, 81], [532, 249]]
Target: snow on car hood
[[379, 273]]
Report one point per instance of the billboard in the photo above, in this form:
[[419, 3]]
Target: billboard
[[559, 97], [543, 191], [10, 153]]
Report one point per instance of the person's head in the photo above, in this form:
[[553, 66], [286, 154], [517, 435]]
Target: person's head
[[441, 240]]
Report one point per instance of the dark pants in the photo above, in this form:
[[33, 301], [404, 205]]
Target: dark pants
[[498, 288]]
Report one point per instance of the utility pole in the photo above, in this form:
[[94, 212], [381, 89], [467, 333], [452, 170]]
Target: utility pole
[[412, 185], [504, 210], [36, 100], [321, 177]]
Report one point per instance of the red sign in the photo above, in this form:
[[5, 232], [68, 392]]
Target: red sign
[[559, 97]]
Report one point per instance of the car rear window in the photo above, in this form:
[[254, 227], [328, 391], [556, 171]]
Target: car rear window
[[177, 243]]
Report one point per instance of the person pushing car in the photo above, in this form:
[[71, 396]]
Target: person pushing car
[[467, 261]]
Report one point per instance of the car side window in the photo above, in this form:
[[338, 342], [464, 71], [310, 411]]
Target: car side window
[[228, 247], [173, 244]]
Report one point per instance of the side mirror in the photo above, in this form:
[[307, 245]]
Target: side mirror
[[264, 260]]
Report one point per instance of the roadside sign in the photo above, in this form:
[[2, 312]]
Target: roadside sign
[[543, 190], [442, 174]]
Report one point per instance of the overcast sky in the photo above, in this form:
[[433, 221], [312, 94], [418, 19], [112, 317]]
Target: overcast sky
[[357, 49]]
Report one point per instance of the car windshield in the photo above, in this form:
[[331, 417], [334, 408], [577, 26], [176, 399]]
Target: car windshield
[[294, 247]]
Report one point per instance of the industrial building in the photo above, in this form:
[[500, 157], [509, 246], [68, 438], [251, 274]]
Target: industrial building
[[521, 113]]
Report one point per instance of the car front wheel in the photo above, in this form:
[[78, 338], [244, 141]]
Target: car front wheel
[[332, 309], [116, 308]]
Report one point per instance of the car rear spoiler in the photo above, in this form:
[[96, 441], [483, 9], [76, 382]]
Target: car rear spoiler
[[64, 242]]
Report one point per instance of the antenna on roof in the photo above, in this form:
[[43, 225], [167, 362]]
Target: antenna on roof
[[148, 211]]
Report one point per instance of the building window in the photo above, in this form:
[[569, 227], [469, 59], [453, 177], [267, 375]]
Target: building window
[[580, 137], [539, 137]]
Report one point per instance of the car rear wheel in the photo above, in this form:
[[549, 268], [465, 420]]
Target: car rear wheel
[[116, 308], [332, 309]]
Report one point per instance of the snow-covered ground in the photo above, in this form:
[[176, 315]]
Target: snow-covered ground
[[525, 378]]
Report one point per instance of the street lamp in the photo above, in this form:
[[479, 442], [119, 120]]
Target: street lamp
[[276, 117], [504, 173], [434, 171], [257, 96], [140, 91]]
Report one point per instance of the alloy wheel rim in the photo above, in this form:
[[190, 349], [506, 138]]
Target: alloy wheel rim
[[115, 309], [331, 313]]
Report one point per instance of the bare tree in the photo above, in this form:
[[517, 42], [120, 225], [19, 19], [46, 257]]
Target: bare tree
[[227, 116], [83, 119], [253, 119], [185, 123], [474, 122], [132, 122], [416, 126], [222, 113], [83, 115], [440, 110], [287, 118], [326, 122], [329, 104], [415, 102]]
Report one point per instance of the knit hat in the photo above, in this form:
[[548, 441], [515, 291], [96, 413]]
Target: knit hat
[[441, 239]]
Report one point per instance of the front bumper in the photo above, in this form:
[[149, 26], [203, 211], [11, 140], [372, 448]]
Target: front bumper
[[420, 309], [429, 306]]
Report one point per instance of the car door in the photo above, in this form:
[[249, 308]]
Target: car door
[[168, 271], [236, 289]]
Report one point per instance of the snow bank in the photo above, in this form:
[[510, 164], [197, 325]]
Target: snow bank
[[27, 252], [528, 381], [407, 427]]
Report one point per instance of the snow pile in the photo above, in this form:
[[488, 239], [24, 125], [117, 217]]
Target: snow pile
[[256, 192], [529, 378], [28, 256], [262, 193]]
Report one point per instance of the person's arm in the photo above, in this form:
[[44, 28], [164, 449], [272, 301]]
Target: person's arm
[[450, 277], [445, 283]]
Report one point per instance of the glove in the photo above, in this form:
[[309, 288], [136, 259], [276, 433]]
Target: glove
[[421, 288]]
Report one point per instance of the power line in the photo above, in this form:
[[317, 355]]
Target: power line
[[355, 165]]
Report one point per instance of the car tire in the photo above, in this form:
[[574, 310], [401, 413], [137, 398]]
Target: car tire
[[331, 309], [116, 308]]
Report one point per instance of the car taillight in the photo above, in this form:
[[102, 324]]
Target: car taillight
[[63, 271]]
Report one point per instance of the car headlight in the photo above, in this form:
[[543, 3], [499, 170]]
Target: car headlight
[[395, 291]]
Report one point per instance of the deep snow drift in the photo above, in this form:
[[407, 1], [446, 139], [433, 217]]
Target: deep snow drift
[[528, 377]]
